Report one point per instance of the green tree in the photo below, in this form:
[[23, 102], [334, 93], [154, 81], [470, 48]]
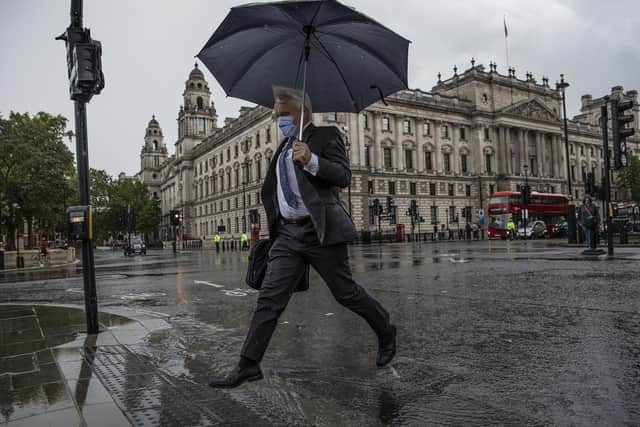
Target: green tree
[[629, 177], [36, 170]]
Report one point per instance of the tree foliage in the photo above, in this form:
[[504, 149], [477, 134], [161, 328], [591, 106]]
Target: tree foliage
[[36, 170], [629, 177]]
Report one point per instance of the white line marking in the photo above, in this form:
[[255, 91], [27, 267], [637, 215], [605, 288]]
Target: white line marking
[[202, 282], [394, 372], [329, 314]]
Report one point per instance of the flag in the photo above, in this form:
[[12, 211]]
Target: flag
[[506, 33]]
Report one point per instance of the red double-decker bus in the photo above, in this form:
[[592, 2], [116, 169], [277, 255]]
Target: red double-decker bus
[[550, 208]]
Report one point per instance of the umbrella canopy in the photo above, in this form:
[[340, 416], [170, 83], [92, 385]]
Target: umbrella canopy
[[351, 60]]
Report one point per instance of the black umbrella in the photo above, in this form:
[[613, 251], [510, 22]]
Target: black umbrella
[[343, 59]]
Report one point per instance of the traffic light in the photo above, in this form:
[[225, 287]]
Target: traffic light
[[389, 203], [175, 217], [413, 210], [590, 184], [525, 194], [84, 64], [619, 121]]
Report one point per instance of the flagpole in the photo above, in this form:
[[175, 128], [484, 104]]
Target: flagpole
[[506, 40]]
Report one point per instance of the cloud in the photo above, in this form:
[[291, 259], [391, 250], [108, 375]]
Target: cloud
[[149, 48]]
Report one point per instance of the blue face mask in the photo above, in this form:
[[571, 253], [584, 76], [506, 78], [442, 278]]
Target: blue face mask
[[287, 127]]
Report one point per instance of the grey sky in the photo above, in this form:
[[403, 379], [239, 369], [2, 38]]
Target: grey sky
[[149, 48]]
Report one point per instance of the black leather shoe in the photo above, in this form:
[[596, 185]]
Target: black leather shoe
[[238, 376], [387, 348]]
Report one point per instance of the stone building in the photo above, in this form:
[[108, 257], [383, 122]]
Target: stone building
[[448, 149]]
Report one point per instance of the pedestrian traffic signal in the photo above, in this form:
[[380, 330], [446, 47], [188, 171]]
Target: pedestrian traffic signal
[[84, 64], [389, 203], [620, 132]]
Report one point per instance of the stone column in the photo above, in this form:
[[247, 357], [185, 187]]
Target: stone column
[[507, 150], [540, 154], [524, 149], [435, 154], [399, 151], [420, 166], [376, 147]]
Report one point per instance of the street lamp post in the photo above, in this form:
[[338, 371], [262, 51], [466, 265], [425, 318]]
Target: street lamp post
[[19, 259], [244, 195], [525, 209], [347, 145], [571, 213]]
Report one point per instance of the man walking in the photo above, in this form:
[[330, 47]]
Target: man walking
[[308, 225]]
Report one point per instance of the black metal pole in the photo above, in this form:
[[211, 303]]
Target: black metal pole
[[563, 85], [607, 183], [76, 34], [88, 270]]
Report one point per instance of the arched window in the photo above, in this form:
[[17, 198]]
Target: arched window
[[199, 102], [155, 145]]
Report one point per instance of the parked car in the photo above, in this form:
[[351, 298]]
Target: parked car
[[137, 247], [560, 230], [534, 230]]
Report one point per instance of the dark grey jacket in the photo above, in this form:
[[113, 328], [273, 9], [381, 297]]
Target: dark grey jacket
[[319, 193]]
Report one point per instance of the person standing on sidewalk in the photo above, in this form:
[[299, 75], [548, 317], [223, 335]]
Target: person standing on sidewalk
[[308, 226], [216, 241], [589, 218]]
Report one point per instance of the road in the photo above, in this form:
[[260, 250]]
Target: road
[[496, 332]]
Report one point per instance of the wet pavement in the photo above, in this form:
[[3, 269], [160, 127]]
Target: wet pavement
[[489, 333]]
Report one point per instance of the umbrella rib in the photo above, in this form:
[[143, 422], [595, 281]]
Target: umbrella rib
[[346, 84], [369, 51]]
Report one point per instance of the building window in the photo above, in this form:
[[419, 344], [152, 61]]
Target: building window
[[258, 140], [201, 128], [463, 133], [573, 172], [221, 206], [451, 189], [387, 158], [445, 131], [268, 135], [434, 214], [228, 204], [426, 128], [237, 177], [582, 150], [370, 189], [486, 134], [571, 148], [492, 189], [428, 164], [235, 202], [365, 120], [367, 156], [487, 163], [236, 224], [463, 163], [236, 151], [392, 187], [467, 190], [413, 188], [228, 154], [259, 169], [408, 160], [452, 214], [406, 126], [446, 157], [385, 124], [432, 188], [332, 117], [257, 197], [591, 151]]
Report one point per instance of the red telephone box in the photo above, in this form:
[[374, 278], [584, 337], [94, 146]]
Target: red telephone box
[[399, 232]]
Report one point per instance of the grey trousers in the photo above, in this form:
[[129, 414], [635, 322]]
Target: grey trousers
[[294, 248]]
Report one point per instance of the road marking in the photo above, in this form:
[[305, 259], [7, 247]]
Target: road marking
[[235, 293], [202, 282], [394, 372], [329, 314]]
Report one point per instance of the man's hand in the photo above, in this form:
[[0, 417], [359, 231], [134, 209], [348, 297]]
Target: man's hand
[[301, 153]]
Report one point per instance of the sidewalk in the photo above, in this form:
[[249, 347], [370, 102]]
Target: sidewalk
[[53, 374]]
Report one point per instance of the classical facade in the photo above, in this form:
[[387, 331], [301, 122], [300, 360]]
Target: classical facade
[[448, 149]]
